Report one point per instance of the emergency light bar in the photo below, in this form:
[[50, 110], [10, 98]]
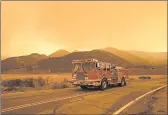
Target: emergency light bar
[[85, 60], [117, 67]]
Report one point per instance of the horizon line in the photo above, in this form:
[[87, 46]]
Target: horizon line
[[79, 50]]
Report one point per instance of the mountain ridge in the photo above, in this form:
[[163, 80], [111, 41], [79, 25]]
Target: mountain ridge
[[41, 62], [59, 53]]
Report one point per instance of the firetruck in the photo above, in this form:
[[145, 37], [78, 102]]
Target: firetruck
[[88, 73]]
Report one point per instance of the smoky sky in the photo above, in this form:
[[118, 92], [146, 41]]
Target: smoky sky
[[44, 27]]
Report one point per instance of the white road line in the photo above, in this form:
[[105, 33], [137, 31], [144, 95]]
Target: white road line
[[78, 95], [130, 103], [42, 102]]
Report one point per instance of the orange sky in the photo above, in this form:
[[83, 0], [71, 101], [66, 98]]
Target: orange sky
[[45, 27]]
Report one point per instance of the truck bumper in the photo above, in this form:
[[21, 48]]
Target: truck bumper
[[86, 82]]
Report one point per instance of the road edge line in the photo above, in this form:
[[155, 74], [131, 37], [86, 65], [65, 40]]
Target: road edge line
[[138, 98]]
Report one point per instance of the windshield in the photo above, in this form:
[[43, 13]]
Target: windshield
[[76, 67], [87, 66]]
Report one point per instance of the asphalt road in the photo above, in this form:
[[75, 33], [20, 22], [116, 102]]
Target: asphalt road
[[155, 104], [95, 102]]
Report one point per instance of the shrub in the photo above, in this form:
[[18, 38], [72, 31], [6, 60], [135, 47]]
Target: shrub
[[41, 81], [9, 89], [12, 83], [26, 82], [38, 82], [29, 82], [64, 84], [144, 77]]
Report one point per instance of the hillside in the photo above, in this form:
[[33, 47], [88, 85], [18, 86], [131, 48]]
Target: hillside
[[156, 58], [41, 63], [21, 61], [127, 56], [59, 53]]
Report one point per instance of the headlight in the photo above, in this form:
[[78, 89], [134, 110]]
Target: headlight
[[74, 75], [86, 78]]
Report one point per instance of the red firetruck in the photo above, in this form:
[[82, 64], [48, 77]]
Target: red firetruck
[[93, 73]]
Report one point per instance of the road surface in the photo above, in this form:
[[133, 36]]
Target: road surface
[[155, 104], [74, 100]]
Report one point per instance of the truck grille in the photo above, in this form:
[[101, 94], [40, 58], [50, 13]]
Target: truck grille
[[80, 76]]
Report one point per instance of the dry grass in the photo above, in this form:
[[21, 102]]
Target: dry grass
[[62, 84], [51, 77], [27, 82]]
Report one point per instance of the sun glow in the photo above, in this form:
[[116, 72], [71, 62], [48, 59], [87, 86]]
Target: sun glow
[[46, 47], [32, 45]]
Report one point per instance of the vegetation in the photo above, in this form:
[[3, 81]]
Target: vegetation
[[27, 83], [17, 84], [63, 84], [144, 77]]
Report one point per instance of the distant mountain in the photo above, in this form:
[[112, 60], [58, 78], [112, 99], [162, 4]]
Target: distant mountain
[[61, 61], [21, 61], [75, 51], [127, 56], [156, 58], [65, 63], [59, 53], [3, 57]]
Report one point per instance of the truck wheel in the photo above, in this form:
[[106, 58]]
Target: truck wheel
[[103, 85], [123, 83], [83, 87]]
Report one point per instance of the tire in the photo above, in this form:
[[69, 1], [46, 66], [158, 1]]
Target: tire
[[103, 85], [123, 83], [83, 87]]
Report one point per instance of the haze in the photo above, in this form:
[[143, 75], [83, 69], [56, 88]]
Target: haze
[[44, 27]]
